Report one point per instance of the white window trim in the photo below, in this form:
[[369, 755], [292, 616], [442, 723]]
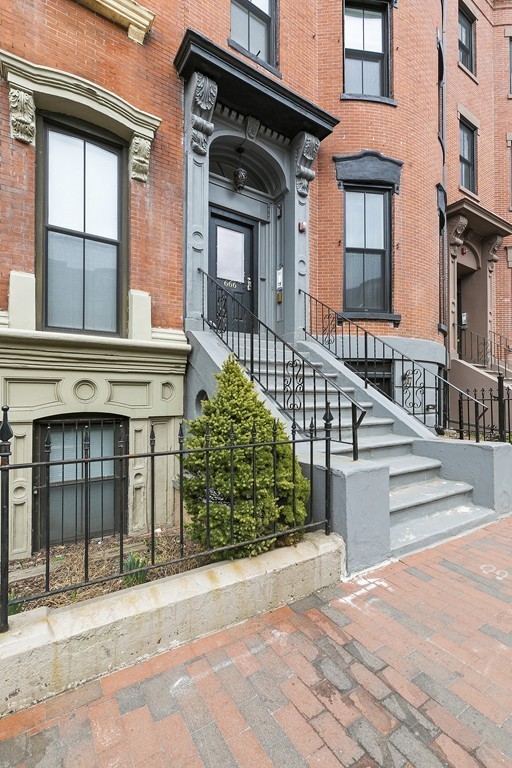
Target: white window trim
[[32, 87], [137, 19]]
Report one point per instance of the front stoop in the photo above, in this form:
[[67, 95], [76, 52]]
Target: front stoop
[[47, 651]]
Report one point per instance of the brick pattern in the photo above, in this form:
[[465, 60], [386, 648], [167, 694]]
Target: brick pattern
[[408, 666], [70, 37]]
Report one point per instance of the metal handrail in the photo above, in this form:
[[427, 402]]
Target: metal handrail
[[416, 380], [482, 350], [221, 310]]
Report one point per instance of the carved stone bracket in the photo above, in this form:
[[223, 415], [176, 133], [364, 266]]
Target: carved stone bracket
[[203, 104], [140, 149], [23, 116], [252, 127], [456, 228], [306, 151], [491, 247]]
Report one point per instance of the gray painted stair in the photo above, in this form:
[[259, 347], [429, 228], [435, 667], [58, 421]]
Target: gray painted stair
[[424, 507]]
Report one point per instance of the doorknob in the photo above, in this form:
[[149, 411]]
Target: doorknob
[[248, 284]]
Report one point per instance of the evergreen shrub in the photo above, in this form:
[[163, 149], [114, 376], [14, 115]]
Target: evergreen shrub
[[236, 416]]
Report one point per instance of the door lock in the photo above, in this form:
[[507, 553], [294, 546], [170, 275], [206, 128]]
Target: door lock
[[248, 284]]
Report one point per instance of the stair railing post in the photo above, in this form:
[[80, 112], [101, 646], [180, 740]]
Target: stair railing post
[[5, 451], [328, 511], [501, 409]]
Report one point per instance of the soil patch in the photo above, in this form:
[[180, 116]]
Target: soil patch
[[27, 577]]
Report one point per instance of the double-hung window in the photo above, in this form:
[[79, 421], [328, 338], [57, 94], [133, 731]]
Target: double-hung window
[[466, 40], [366, 70], [253, 24], [367, 250], [467, 156], [82, 232]]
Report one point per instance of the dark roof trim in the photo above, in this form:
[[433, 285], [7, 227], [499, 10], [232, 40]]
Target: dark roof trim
[[249, 91], [480, 220], [368, 167]]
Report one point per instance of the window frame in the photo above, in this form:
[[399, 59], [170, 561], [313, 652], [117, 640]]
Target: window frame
[[470, 52], [357, 54], [78, 421], [271, 22], [470, 163], [103, 139], [387, 265]]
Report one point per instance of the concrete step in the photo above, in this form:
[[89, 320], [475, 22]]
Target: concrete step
[[371, 427], [409, 535], [377, 447], [420, 499], [410, 469]]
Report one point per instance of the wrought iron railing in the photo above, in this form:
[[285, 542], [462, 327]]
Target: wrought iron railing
[[493, 352], [423, 391], [300, 390], [108, 561], [496, 423]]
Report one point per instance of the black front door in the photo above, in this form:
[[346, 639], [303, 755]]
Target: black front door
[[232, 244]]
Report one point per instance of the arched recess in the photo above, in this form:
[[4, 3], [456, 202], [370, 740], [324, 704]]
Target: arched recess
[[255, 212]]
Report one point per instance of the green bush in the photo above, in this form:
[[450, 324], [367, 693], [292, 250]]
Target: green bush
[[234, 416]]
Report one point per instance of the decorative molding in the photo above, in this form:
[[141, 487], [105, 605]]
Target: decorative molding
[[203, 104], [137, 19], [243, 86], [491, 246], [456, 227], [238, 118], [57, 91], [23, 116], [252, 127], [305, 153], [140, 150], [368, 167]]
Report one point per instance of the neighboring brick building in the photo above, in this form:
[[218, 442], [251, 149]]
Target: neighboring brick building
[[121, 130]]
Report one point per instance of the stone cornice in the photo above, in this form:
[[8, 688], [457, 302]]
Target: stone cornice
[[137, 19], [36, 350], [482, 221]]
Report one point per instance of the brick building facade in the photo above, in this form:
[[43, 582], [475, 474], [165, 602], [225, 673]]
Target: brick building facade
[[121, 128]]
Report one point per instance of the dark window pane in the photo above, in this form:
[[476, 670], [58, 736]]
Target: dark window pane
[[372, 78], [65, 281], [240, 25], [354, 215], [354, 280], [373, 281], [353, 75], [100, 286], [258, 32]]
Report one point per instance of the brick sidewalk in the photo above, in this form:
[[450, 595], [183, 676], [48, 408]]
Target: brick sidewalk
[[410, 666]]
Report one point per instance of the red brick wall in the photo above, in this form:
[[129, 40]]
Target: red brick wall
[[65, 35], [407, 132]]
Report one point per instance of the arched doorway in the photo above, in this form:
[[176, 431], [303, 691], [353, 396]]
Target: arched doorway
[[245, 226]]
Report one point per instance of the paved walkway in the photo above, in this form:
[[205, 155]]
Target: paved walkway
[[411, 666]]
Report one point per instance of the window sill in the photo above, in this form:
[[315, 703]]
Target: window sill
[[237, 47], [362, 97], [469, 193], [468, 72], [362, 315]]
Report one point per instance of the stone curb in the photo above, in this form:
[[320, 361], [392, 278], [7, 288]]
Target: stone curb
[[47, 651]]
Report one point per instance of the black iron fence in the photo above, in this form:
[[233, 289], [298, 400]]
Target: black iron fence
[[300, 390], [496, 422], [421, 390], [85, 468]]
